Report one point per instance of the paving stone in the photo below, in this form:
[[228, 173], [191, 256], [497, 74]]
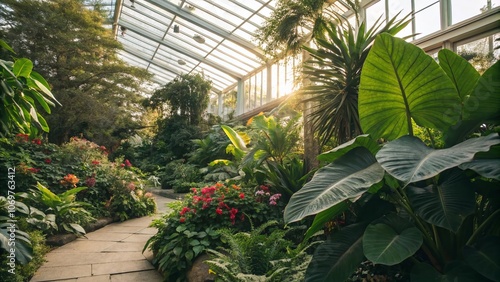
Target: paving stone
[[116, 227], [104, 236], [62, 272], [142, 238], [125, 247], [98, 278], [141, 222], [141, 276], [148, 230], [84, 247], [62, 259], [121, 267]]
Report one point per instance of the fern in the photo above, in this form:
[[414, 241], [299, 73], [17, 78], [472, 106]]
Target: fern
[[258, 256]]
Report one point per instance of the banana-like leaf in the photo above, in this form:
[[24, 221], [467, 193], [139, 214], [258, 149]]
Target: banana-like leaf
[[349, 176], [408, 159], [323, 217], [463, 75], [338, 257], [235, 138], [446, 205], [484, 257], [399, 82], [361, 140], [391, 240]]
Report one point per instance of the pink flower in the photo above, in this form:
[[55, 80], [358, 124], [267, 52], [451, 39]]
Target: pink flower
[[127, 163], [48, 161], [131, 186], [90, 182], [148, 195]]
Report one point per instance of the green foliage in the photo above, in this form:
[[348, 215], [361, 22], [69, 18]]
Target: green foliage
[[258, 256], [69, 214], [8, 226], [335, 71], [192, 226], [78, 55], [441, 202], [180, 176], [24, 272], [23, 91], [269, 152], [211, 147], [186, 96]]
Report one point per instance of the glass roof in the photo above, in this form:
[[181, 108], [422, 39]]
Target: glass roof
[[214, 37]]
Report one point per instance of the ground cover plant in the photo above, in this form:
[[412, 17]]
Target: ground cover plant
[[436, 207], [192, 226]]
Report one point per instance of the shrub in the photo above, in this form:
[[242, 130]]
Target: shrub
[[191, 227]]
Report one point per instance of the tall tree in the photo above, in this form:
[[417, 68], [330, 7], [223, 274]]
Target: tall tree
[[70, 47]]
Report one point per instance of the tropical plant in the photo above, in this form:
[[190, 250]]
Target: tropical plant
[[334, 72], [442, 202], [21, 244], [258, 255], [22, 93], [69, 214], [269, 152]]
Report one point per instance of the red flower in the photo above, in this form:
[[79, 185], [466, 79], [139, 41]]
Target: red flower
[[48, 161], [37, 141], [218, 211], [22, 137], [184, 210], [94, 162], [33, 170], [122, 165], [242, 196], [127, 163], [182, 220]]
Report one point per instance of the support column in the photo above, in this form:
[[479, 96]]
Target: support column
[[311, 143], [240, 98]]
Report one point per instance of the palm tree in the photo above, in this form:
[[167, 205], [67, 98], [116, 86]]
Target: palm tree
[[334, 72]]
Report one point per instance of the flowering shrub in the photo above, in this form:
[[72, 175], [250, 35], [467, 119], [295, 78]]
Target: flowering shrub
[[113, 189], [192, 226]]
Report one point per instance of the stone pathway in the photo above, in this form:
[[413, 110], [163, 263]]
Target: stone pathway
[[112, 253]]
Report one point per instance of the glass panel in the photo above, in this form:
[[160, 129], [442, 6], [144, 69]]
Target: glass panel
[[374, 12], [427, 17], [274, 81], [404, 8], [481, 53], [464, 9]]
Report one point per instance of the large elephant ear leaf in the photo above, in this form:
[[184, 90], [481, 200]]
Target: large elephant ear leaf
[[446, 205], [361, 140], [349, 176], [399, 82], [338, 257], [484, 101], [481, 106], [463, 75], [408, 159], [391, 240], [484, 257]]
